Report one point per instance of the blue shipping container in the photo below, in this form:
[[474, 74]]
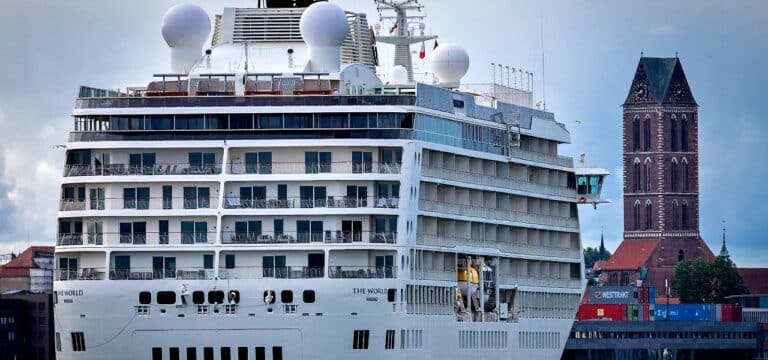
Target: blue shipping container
[[652, 294], [684, 312]]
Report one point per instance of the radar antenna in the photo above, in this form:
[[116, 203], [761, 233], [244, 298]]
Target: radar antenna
[[400, 33]]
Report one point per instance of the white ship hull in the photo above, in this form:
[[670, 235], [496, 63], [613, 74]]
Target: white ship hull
[[107, 313]]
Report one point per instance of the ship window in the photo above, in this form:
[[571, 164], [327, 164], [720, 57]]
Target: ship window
[[208, 261], [166, 297], [78, 341], [191, 353], [298, 121], [390, 339], [333, 121], [198, 297], [241, 121], [157, 353], [233, 297], [173, 354], [286, 296], [160, 122], [242, 353], [317, 162], [260, 353], [277, 353], [308, 296], [391, 295], [360, 339], [216, 297], [58, 342], [229, 261], [145, 297], [208, 353], [226, 353], [575, 271], [270, 121], [360, 120]]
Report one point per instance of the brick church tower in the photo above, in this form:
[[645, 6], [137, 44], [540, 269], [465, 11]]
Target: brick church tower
[[661, 177]]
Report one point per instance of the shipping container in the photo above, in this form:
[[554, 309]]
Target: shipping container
[[684, 312], [615, 312], [633, 312], [719, 311], [647, 308], [652, 294]]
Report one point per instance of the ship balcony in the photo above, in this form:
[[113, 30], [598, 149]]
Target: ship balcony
[[260, 272], [79, 274], [514, 280], [137, 238], [362, 272], [154, 169], [310, 237], [340, 167], [503, 215], [503, 245], [151, 203], [186, 273], [541, 157], [346, 202], [497, 181]]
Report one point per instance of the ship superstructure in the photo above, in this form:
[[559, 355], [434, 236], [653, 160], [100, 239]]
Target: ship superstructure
[[269, 201]]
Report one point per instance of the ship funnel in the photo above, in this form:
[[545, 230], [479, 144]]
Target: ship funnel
[[323, 27], [185, 28]]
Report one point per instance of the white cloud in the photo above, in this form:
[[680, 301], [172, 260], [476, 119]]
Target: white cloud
[[663, 30]]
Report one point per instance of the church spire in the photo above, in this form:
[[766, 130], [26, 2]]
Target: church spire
[[723, 249], [601, 254]]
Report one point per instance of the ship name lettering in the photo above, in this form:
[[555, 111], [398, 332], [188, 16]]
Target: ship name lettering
[[369, 291]]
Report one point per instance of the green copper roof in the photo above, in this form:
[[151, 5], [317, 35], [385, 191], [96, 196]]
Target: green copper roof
[[659, 72]]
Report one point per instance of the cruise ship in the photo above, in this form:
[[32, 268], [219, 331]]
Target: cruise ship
[[273, 197]]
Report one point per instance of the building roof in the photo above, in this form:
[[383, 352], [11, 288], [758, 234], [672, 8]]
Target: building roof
[[631, 254], [659, 72], [598, 265], [755, 279], [21, 264]]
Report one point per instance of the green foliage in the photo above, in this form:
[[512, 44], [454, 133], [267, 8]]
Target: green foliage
[[592, 254], [702, 281]]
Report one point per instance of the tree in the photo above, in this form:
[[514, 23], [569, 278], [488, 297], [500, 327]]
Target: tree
[[703, 281], [592, 254]]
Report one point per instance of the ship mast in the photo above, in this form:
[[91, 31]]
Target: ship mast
[[400, 34]]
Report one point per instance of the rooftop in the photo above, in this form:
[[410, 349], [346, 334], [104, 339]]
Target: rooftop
[[631, 254], [20, 265]]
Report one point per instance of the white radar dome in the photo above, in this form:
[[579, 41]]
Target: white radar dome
[[186, 26], [323, 24], [398, 75], [450, 63]]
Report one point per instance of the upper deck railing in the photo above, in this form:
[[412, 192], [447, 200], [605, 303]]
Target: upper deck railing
[[261, 100]]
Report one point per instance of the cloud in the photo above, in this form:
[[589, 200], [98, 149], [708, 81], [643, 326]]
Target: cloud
[[663, 30]]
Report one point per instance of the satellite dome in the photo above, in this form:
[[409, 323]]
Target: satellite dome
[[398, 75], [186, 26], [323, 24], [450, 63]]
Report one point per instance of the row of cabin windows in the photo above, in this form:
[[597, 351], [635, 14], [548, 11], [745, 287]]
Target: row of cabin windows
[[197, 231], [678, 134], [245, 122], [679, 216], [642, 176], [217, 297], [225, 353]]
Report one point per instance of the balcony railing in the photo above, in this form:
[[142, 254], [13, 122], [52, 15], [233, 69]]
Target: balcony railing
[[236, 202], [79, 274], [503, 245], [511, 279], [137, 238], [506, 215], [156, 169], [152, 203], [326, 236], [342, 167], [362, 272], [161, 273], [71, 205], [546, 158], [259, 272], [498, 181]]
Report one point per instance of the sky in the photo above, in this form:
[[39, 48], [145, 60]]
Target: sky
[[590, 51]]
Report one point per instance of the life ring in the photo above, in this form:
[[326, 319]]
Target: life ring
[[583, 200]]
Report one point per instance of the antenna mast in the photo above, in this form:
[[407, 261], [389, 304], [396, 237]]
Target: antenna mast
[[400, 33]]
